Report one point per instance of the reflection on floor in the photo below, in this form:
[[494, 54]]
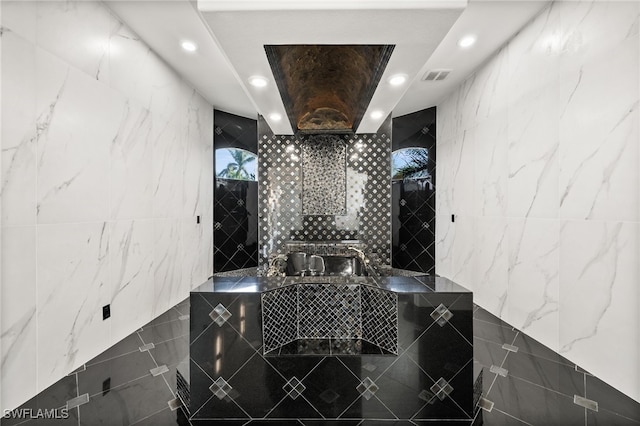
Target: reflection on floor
[[525, 383]]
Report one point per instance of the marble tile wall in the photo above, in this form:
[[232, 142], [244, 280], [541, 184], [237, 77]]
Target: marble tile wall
[[106, 162], [538, 160]]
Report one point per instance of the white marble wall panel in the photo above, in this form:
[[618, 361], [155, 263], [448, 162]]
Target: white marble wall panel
[[598, 131], [533, 169], [106, 162], [77, 121], [491, 261], [199, 151], [444, 177], [590, 30], [73, 286], [130, 65], [18, 317], [167, 263], [132, 275], [535, 55], [490, 166], [20, 17], [571, 82], [168, 168], [18, 187], [599, 299], [534, 277], [462, 192], [131, 173], [463, 251], [485, 92], [78, 33]]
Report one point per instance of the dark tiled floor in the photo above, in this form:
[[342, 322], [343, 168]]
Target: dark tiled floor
[[530, 386]]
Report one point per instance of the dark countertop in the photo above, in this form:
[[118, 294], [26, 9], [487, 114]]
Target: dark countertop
[[398, 284]]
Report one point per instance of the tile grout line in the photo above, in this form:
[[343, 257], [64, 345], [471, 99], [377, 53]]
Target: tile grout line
[[502, 364], [586, 415], [77, 396], [163, 377]]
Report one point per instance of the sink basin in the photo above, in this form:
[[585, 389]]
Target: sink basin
[[333, 265]]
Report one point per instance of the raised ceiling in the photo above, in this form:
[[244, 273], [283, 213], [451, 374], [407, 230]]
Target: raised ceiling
[[210, 70], [243, 32], [327, 88]]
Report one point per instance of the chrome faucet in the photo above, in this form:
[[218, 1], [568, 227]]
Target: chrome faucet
[[274, 268], [313, 259], [361, 255]]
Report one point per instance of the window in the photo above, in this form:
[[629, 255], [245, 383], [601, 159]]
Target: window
[[410, 163], [234, 163]]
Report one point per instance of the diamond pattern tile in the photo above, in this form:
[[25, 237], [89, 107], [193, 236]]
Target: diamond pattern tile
[[344, 313], [220, 314], [380, 318], [441, 315], [441, 389], [294, 387], [281, 193], [220, 388], [367, 388], [279, 317]]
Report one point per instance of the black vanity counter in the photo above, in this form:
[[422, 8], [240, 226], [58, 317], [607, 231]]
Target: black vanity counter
[[332, 350], [397, 284]]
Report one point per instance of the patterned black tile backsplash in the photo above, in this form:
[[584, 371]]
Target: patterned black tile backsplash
[[368, 193]]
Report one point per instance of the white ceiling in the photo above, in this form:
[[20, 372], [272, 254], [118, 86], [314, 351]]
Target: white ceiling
[[230, 35]]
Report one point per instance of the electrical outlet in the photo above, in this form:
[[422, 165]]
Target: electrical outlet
[[106, 312]]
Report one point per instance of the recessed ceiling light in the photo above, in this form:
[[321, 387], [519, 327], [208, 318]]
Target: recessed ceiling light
[[377, 114], [397, 80], [257, 81], [189, 46], [467, 41], [275, 116]]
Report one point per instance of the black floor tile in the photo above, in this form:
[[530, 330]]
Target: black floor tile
[[54, 397], [529, 345], [127, 345], [483, 315], [534, 404], [172, 314], [165, 417], [538, 389], [183, 307], [493, 332], [607, 418], [164, 331], [499, 418], [127, 403], [488, 353], [548, 374], [99, 378], [171, 352], [611, 400]]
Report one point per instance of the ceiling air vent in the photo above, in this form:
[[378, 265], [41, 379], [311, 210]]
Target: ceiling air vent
[[436, 75]]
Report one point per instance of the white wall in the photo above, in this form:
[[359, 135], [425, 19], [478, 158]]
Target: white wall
[[106, 161], [538, 158]]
